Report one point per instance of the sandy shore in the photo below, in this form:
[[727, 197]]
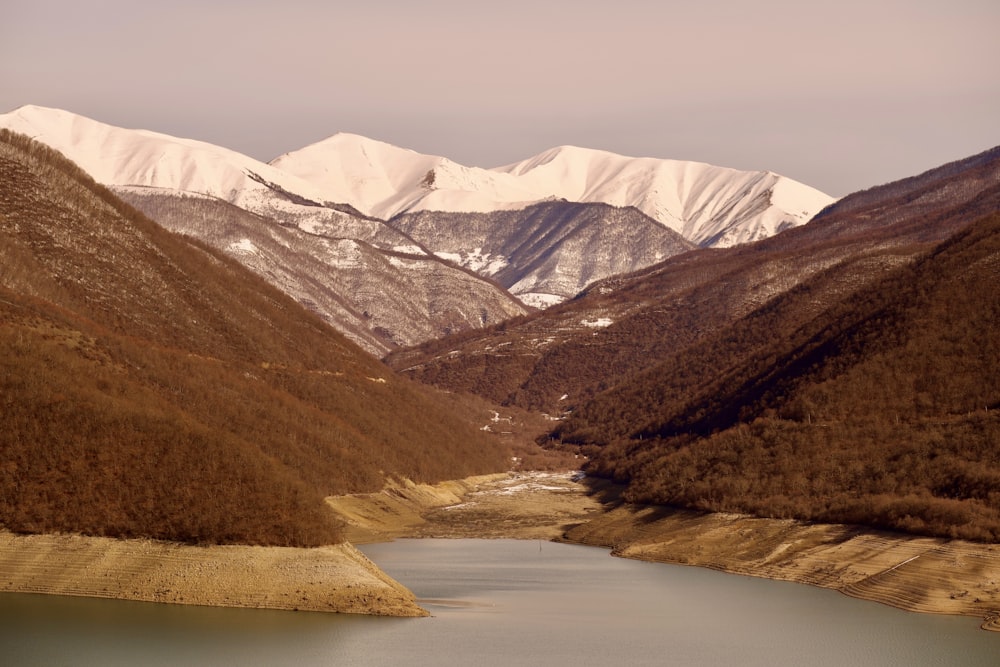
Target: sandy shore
[[917, 574], [336, 578]]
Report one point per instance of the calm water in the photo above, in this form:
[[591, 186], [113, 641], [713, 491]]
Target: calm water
[[506, 602]]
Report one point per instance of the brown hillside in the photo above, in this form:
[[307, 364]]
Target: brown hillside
[[884, 409], [152, 387]]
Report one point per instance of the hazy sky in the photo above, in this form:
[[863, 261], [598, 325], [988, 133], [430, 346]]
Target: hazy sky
[[840, 95]]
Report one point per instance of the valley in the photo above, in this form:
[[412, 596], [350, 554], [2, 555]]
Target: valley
[[218, 374]]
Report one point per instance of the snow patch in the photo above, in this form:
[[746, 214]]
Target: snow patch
[[475, 260], [599, 323], [405, 262], [243, 246], [409, 249], [539, 300]]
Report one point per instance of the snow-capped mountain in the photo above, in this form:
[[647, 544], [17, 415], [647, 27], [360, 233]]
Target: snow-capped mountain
[[382, 180], [708, 205], [543, 228]]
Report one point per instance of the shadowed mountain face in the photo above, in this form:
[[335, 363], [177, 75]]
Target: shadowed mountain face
[[153, 387]]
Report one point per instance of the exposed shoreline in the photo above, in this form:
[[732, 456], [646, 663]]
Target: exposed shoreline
[[927, 575], [917, 574], [336, 578], [920, 574]]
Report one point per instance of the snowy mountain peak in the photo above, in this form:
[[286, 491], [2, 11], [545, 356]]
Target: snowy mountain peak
[[375, 177], [118, 156], [709, 205]]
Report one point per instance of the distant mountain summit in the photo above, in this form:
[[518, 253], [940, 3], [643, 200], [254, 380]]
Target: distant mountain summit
[[707, 205]]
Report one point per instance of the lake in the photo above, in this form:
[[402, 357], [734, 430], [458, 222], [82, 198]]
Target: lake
[[509, 602]]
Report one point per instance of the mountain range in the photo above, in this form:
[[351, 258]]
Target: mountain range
[[707, 205], [843, 370], [418, 230]]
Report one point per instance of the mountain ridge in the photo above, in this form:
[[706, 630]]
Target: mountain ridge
[[677, 194], [353, 254], [382, 180]]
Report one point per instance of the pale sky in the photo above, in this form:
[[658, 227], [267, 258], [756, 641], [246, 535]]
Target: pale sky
[[839, 95]]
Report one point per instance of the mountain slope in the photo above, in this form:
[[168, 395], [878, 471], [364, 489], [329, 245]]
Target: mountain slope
[[380, 299], [153, 387], [546, 253], [881, 410]]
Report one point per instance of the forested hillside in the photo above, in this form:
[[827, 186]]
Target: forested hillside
[[152, 387], [844, 370], [882, 410]]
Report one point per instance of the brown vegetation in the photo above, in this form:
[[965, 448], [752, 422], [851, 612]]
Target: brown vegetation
[[882, 410], [152, 387]]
